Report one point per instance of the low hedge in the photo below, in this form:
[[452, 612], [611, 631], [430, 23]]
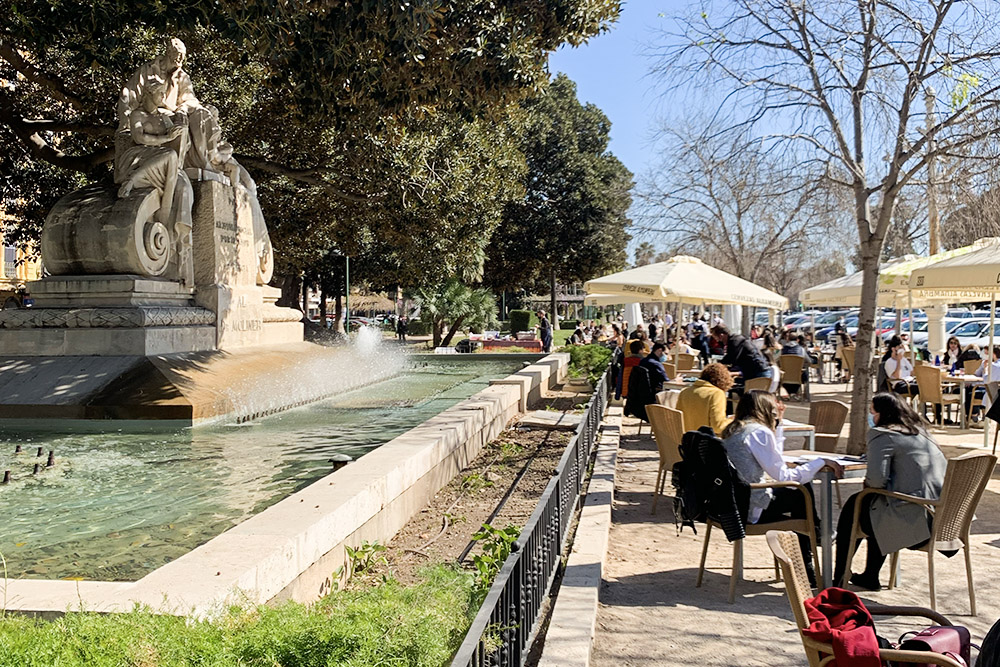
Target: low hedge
[[522, 320], [569, 324], [418, 328]]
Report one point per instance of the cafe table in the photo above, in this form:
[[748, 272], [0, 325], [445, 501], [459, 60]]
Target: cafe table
[[854, 467], [962, 381]]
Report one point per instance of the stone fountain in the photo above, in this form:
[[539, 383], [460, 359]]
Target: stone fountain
[[155, 303]]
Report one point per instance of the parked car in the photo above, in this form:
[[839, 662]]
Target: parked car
[[971, 331], [984, 336]]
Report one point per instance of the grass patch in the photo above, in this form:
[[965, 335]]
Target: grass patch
[[388, 625]]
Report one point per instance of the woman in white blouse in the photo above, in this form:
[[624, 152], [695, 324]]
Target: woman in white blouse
[[754, 442], [899, 369]]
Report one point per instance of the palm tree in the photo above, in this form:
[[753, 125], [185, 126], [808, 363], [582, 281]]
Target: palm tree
[[451, 305]]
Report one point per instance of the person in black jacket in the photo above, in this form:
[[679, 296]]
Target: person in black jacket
[[797, 348], [654, 363], [743, 354]]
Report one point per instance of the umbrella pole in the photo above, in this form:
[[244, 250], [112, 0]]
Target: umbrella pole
[[989, 365], [913, 348]]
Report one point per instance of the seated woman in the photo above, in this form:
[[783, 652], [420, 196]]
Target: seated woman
[[704, 402], [901, 458], [681, 346], [754, 442], [952, 355], [898, 369]]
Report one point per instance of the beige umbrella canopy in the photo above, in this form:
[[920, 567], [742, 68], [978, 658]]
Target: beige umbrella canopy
[[893, 282], [683, 279], [970, 276]]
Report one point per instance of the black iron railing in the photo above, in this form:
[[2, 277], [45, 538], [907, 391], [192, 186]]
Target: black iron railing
[[505, 626]]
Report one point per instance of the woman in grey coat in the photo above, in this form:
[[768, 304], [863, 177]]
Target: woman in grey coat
[[901, 458]]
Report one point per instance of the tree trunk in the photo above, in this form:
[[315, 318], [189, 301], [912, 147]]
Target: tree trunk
[[291, 287], [305, 298], [451, 332], [338, 314], [553, 319], [322, 307], [871, 250], [438, 327]]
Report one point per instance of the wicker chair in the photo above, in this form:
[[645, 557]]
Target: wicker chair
[[964, 482], [668, 428], [685, 362], [971, 366], [785, 547], [762, 384], [805, 526], [668, 397], [828, 417], [791, 372], [929, 388], [670, 370], [847, 356]]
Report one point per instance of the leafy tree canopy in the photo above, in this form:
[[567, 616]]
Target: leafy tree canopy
[[573, 216], [381, 129]]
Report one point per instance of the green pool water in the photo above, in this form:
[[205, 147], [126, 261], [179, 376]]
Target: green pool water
[[118, 505]]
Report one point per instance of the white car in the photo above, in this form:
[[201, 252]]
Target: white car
[[984, 336], [971, 331]]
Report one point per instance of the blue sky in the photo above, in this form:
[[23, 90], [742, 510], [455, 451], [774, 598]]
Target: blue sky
[[611, 72]]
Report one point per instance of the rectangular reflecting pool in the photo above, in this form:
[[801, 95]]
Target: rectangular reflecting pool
[[117, 505]]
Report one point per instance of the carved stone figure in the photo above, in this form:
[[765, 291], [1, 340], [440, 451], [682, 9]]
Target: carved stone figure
[[202, 146], [151, 157], [178, 93]]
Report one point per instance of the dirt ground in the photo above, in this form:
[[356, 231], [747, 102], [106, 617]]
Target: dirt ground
[[651, 613], [518, 464]]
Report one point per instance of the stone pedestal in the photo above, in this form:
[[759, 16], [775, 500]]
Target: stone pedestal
[[225, 271], [107, 316]]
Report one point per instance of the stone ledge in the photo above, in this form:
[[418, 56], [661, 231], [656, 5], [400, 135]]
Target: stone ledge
[[574, 613], [105, 318]]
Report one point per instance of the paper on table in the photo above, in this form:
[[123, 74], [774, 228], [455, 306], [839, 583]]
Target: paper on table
[[842, 460]]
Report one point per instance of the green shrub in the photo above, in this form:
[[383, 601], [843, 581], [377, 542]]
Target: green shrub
[[418, 328], [419, 625], [588, 361], [569, 324], [522, 320]]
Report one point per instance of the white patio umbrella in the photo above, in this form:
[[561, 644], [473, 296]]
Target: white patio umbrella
[[687, 280], [969, 276]]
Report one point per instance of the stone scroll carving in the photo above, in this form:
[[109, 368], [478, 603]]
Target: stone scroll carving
[[166, 138]]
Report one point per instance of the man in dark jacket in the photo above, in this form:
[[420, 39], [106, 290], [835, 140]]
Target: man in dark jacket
[[797, 347], [654, 363], [743, 354], [545, 331]]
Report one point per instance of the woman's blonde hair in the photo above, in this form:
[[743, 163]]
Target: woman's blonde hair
[[756, 406]]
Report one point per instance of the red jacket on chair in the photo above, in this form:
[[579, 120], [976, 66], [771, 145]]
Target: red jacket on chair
[[839, 617]]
